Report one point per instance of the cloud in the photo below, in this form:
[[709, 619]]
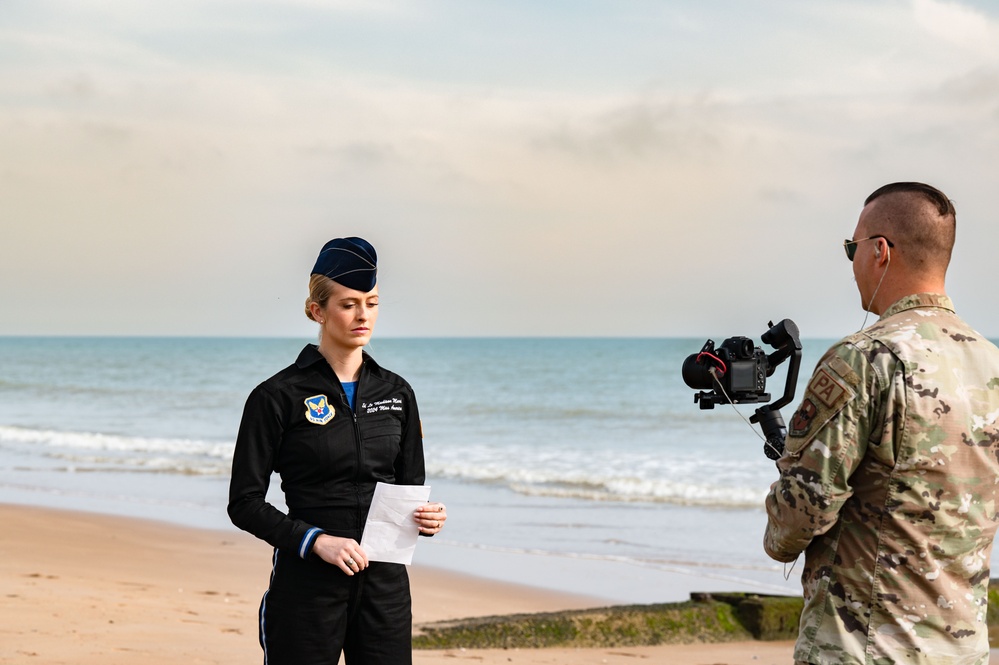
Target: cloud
[[376, 8], [354, 154], [683, 129], [958, 25], [78, 86], [978, 87], [222, 145], [780, 195]]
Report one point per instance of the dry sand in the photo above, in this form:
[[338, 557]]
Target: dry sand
[[90, 589]]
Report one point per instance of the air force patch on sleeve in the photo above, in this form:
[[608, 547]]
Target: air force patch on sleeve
[[318, 410], [803, 417], [826, 395]]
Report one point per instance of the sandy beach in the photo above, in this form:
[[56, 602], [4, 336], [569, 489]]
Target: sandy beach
[[84, 588]]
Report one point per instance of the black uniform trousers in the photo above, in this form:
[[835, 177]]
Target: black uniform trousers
[[313, 611]]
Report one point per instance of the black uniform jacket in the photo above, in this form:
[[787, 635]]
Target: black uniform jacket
[[329, 458]]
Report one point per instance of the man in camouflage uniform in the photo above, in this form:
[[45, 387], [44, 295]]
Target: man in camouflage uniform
[[890, 479]]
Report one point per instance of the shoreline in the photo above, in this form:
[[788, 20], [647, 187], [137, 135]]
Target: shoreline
[[86, 588], [482, 542]]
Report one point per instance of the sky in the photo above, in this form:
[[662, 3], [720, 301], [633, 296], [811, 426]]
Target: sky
[[524, 168]]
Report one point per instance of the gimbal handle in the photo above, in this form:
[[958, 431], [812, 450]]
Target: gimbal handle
[[785, 338]]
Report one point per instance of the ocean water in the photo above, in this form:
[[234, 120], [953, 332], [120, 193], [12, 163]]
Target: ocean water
[[574, 464]]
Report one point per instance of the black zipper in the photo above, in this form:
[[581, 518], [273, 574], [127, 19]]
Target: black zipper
[[357, 446], [357, 440]]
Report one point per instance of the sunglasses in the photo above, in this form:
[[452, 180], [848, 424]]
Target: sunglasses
[[851, 245]]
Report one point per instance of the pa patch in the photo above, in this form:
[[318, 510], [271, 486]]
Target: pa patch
[[827, 389], [317, 409], [802, 420]]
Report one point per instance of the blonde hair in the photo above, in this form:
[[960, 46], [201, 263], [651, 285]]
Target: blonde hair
[[320, 289]]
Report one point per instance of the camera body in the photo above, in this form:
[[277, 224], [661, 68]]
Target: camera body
[[736, 372], [736, 367]]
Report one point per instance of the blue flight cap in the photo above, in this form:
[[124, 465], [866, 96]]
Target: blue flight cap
[[349, 261]]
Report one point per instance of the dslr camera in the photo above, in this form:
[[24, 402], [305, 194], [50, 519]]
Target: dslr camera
[[736, 371]]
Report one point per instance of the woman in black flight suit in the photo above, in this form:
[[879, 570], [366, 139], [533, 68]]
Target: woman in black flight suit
[[332, 424]]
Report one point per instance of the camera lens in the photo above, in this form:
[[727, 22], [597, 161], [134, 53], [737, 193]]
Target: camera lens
[[697, 375]]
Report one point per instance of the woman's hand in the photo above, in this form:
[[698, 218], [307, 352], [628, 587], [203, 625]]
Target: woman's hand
[[344, 553], [431, 518]]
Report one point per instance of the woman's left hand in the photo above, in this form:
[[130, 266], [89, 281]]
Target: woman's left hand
[[430, 517]]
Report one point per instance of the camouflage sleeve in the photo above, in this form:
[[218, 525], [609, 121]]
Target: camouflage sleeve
[[827, 438]]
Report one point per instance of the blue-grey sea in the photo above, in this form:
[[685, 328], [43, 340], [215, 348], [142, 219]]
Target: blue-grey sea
[[579, 465]]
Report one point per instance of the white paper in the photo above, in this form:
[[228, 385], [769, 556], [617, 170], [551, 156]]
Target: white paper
[[390, 532]]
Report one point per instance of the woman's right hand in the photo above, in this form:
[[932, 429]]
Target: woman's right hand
[[344, 553]]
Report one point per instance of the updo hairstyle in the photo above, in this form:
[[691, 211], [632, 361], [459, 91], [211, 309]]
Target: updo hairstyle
[[320, 289]]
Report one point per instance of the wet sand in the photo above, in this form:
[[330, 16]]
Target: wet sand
[[85, 589]]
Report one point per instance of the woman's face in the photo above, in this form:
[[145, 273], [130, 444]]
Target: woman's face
[[349, 317]]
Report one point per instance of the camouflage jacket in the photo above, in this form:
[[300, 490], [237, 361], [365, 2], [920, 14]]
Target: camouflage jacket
[[889, 485]]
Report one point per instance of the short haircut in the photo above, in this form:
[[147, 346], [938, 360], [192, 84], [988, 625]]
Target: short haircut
[[924, 234], [943, 204]]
